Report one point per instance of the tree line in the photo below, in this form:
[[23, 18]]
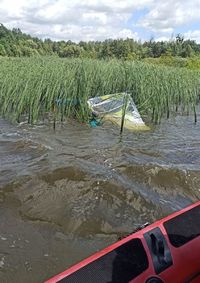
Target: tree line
[[15, 43]]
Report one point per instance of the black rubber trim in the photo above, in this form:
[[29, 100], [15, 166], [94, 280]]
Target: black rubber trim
[[119, 266], [184, 227], [154, 280]]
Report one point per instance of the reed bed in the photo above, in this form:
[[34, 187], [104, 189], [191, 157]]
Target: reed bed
[[59, 88]]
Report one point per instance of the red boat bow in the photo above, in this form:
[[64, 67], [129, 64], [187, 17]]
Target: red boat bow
[[166, 251]]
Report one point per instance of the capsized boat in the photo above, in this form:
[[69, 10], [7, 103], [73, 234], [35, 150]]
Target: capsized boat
[[111, 107], [167, 251]]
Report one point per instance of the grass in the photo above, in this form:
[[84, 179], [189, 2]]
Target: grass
[[37, 87]]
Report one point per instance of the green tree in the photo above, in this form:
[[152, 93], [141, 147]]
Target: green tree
[[2, 50], [187, 51], [71, 51]]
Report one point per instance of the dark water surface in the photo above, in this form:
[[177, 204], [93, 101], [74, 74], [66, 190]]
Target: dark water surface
[[66, 194]]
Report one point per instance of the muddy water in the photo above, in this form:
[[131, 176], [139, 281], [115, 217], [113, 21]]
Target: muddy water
[[66, 194]]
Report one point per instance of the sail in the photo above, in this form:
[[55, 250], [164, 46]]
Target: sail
[[113, 106]]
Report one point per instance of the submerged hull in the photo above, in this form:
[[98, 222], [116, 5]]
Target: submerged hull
[[166, 251]]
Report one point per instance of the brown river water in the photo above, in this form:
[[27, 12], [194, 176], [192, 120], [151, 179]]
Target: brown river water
[[68, 193]]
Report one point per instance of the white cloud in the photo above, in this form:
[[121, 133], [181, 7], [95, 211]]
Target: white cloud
[[166, 16], [162, 38], [193, 35], [75, 20], [98, 19]]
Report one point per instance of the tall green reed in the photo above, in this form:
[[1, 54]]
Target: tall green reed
[[41, 87]]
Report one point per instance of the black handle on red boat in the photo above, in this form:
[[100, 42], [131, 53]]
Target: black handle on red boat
[[159, 250], [158, 247]]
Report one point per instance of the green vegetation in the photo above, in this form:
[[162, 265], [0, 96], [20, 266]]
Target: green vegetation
[[177, 52], [37, 87], [55, 79]]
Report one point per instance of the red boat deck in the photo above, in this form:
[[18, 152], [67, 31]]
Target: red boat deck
[[166, 251]]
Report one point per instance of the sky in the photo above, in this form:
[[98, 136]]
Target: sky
[[87, 20]]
